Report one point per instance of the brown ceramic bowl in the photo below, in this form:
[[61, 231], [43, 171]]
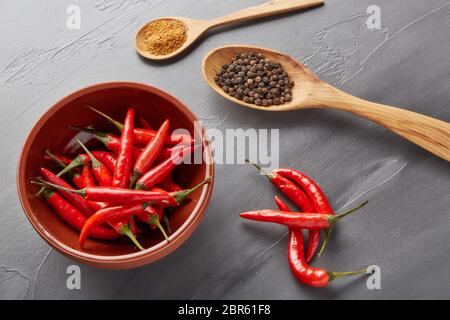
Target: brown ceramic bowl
[[51, 132]]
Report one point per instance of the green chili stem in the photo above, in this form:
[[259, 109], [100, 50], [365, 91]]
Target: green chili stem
[[337, 275], [116, 123], [49, 184], [154, 219], [258, 167], [126, 231], [181, 195], [333, 219], [94, 160]]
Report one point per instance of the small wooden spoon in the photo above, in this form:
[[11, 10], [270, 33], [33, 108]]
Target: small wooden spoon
[[311, 92], [196, 28]]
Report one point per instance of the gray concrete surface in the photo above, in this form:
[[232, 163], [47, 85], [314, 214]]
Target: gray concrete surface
[[404, 230]]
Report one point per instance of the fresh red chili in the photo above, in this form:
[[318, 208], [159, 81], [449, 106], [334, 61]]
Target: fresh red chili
[[107, 158], [150, 153], [316, 196], [299, 198], [282, 205], [79, 161], [76, 177], [100, 171], [311, 188], [162, 170], [313, 221], [315, 277], [152, 217], [124, 162], [78, 201], [144, 136], [74, 217], [120, 212]]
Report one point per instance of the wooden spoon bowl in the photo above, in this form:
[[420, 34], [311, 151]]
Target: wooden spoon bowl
[[311, 92]]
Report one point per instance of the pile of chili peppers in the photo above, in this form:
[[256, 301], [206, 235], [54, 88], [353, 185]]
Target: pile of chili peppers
[[106, 194], [316, 215]]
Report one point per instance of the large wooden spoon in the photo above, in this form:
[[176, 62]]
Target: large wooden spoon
[[311, 92], [196, 28]]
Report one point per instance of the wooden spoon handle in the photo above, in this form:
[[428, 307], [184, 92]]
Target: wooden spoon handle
[[268, 9], [427, 132]]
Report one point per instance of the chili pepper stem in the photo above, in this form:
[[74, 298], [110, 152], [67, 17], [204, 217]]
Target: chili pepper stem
[[167, 223], [258, 167], [135, 175], [333, 219], [126, 231], [116, 123], [55, 158], [181, 195], [44, 183], [337, 275], [94, 160], [328, 233], [154, 219]]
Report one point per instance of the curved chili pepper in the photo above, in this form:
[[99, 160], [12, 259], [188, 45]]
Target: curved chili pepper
[[74, 217], [152, 217], [298, 197], [120, 212], [78, 201], [123, 165], [150, 153], [313, 221], [317, 197], [110, 141], [315, 277], [144, 136], [100, 171], [162, 170]]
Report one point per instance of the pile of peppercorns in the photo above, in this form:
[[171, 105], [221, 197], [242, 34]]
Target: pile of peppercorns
[[252, 78]]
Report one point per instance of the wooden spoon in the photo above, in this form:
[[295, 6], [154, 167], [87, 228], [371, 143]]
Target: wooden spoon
[[196, 28], [311, 92]]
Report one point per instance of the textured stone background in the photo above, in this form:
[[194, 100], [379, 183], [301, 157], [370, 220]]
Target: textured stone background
[[404, 230]]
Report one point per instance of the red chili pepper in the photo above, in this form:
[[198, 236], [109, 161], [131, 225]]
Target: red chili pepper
[[100, 171], [169, 185], [162, 170], [120, 212], [74, 217], [282, 205], [107, 158], [77, 178], [311, 188], [316, 196], [123, 165], [110, 141], [313, 221], [315, 277], [150, 153], [117, 196], [144, 136], [151, 216], [78, 201], [299, 198]]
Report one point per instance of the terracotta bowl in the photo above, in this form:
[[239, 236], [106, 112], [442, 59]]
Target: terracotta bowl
[[51, 132]]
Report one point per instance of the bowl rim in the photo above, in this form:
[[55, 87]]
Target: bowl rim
[[132, 259]]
